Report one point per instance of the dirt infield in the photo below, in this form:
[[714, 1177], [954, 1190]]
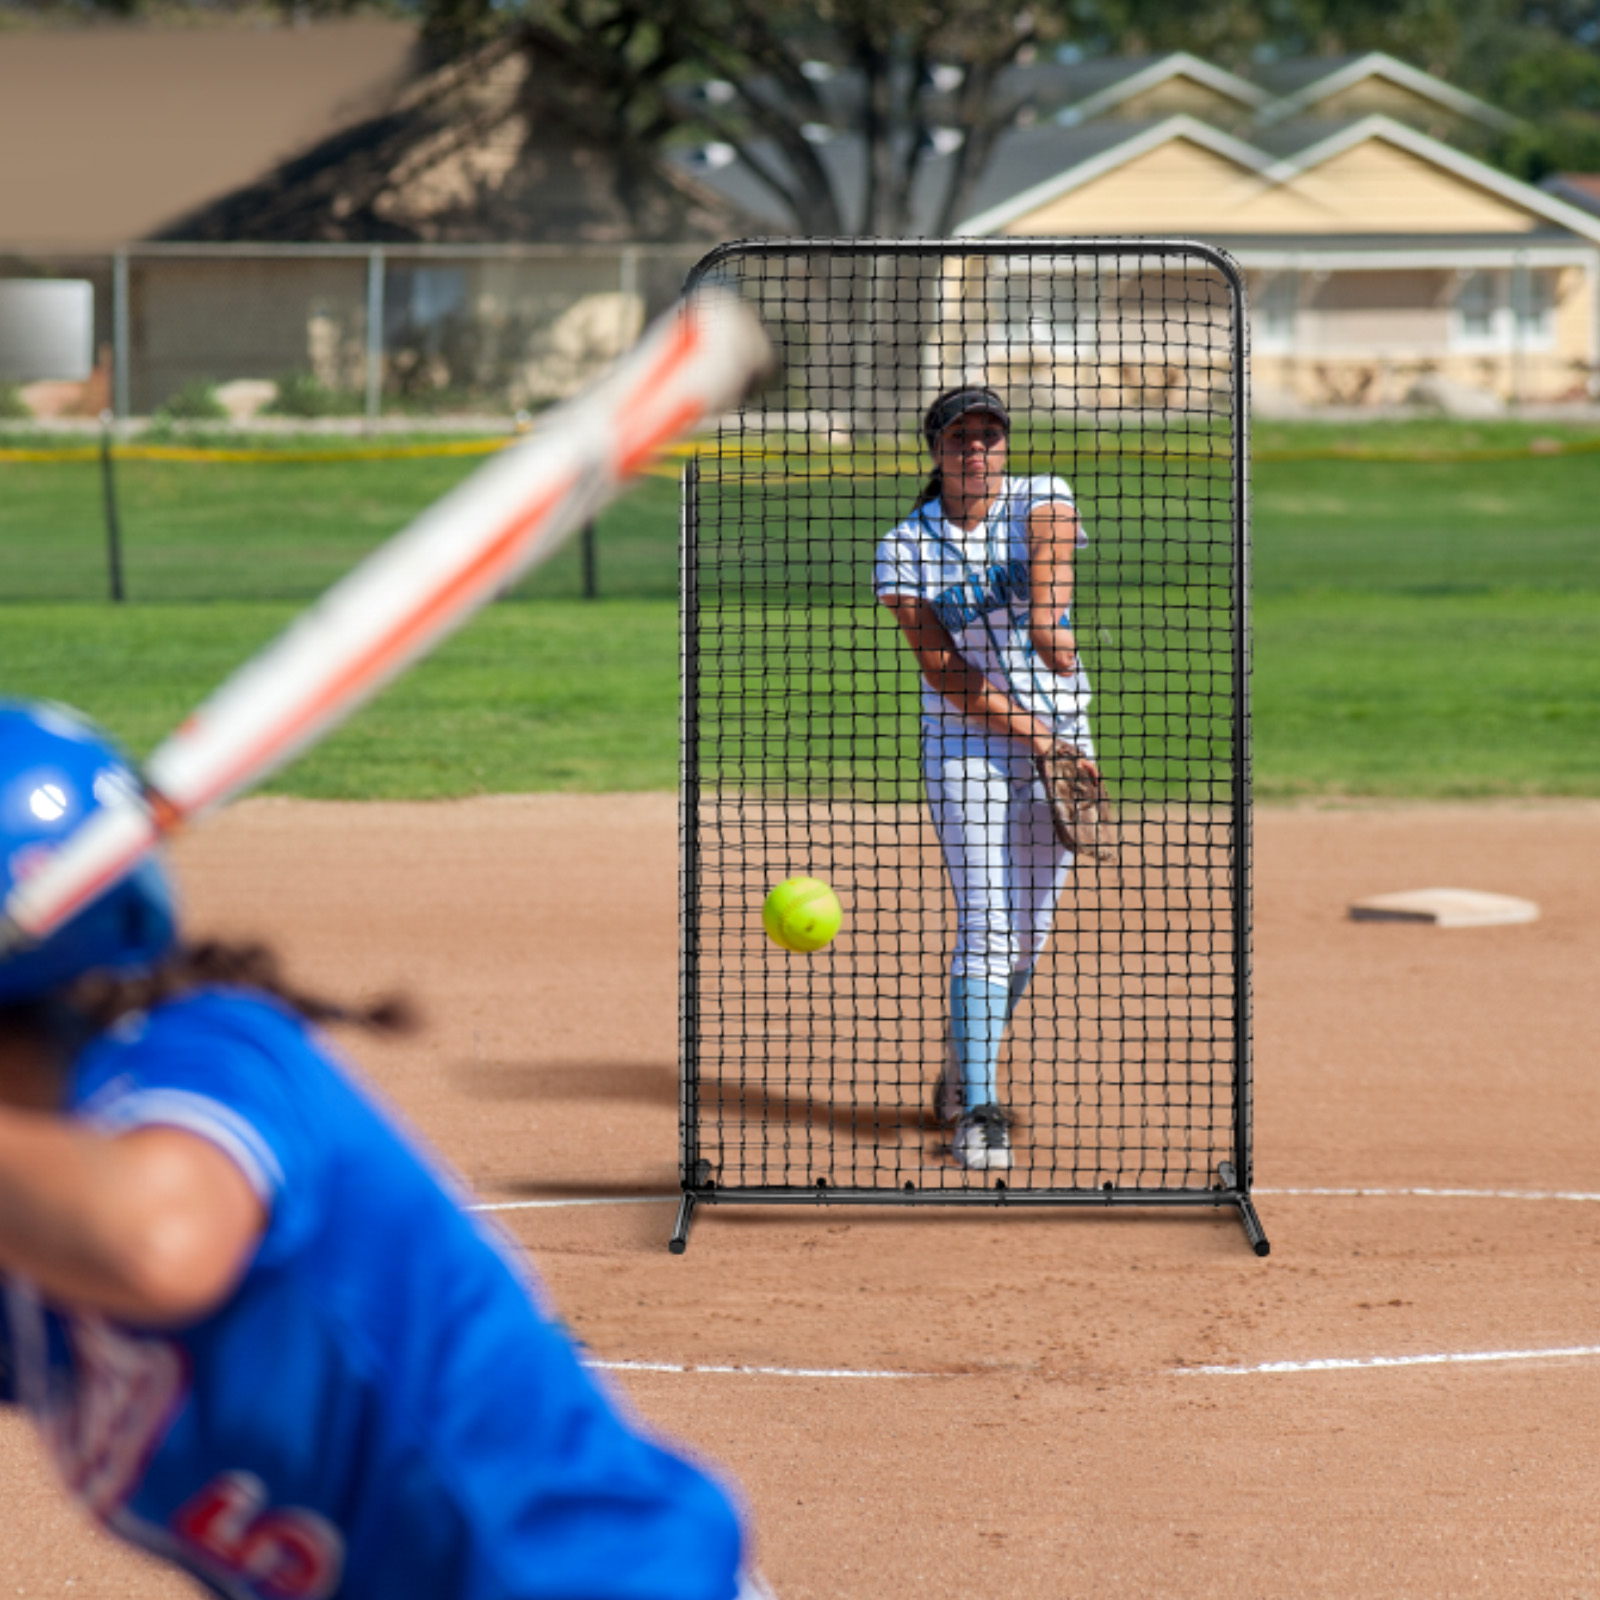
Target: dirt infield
[[1035, 1405]]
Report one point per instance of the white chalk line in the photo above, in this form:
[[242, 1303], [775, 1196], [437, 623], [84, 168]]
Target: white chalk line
[[1353, 1192], [753, 1372], [1323, 1364], [1320, 1364], [597, 1200], [1361, 1363], [681, 1367], [1364, 1193]]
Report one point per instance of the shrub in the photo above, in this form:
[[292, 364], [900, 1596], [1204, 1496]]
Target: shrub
[[13, 408], [196, 401], [303, 394]]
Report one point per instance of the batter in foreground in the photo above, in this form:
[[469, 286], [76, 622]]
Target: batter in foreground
[[255, 1329]]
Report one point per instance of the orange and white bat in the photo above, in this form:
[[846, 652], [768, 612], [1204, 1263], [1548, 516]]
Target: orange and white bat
[[514, 512]]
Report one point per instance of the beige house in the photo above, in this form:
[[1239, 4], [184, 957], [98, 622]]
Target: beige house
[[1382, 264]]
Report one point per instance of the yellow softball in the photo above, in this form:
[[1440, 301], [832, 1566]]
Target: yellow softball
[[801, 915]]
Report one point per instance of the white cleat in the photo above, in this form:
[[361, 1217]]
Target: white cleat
[[982, 1143]]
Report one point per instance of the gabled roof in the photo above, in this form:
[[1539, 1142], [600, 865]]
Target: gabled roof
[[1580, 189], [1027, 159], [1284, 140], [1299, 150], [1287, 75], [1033, 161], [1141, 77], [1119, 144], [1538, 202], [1034, 167], [1061, 82], [1301, 87]]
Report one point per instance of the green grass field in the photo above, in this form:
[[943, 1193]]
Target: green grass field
[[527, 697], [271, 531], [1426, 626]]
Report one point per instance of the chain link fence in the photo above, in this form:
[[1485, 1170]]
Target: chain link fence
[[140, 481], [316, 331]]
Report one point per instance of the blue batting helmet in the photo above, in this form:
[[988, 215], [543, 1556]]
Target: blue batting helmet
[[56, 768]]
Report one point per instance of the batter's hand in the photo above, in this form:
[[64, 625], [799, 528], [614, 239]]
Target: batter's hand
[[1079, 808]]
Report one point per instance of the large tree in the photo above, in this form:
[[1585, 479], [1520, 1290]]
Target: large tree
[[907, 80], [911, 77]]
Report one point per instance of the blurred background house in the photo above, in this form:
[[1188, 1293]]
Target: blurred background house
[[317, 216], [1386, 266]]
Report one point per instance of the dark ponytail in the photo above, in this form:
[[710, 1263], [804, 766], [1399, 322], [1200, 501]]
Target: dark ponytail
[[931, 490], [103, 999]]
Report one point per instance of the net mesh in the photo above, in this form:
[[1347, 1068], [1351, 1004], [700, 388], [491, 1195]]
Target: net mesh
[[1126, 1062]]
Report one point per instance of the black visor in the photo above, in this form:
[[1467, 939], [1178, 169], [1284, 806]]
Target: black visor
[[955, 406]]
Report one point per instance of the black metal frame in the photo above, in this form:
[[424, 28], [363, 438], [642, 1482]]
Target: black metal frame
[[1232, 1179]]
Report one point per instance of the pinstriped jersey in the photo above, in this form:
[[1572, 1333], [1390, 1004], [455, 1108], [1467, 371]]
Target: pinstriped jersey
[[977, 581], [381, 1408]]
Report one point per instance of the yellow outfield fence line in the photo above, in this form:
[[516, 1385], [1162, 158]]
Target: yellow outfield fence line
[[207, 454], [1534, 450], [203, 456]]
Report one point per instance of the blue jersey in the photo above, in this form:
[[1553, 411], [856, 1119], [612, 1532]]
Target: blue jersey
[[380, 1409], [977, 582]]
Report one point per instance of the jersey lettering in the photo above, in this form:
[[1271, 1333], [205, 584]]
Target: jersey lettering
[[103, 1433], [950, 610], [285, 1552], [997, 589], [1010, 580]]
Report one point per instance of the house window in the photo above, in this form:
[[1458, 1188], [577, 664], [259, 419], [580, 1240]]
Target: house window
[[1477, 301], [1533, 309], [1054, 314], [426, 328], [1276, 304], [1502, 311], [423, 300]]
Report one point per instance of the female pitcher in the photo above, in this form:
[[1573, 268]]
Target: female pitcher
[[256, 1332], [979, 577]]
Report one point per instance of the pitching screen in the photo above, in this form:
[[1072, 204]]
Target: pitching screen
[[871, 662]]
